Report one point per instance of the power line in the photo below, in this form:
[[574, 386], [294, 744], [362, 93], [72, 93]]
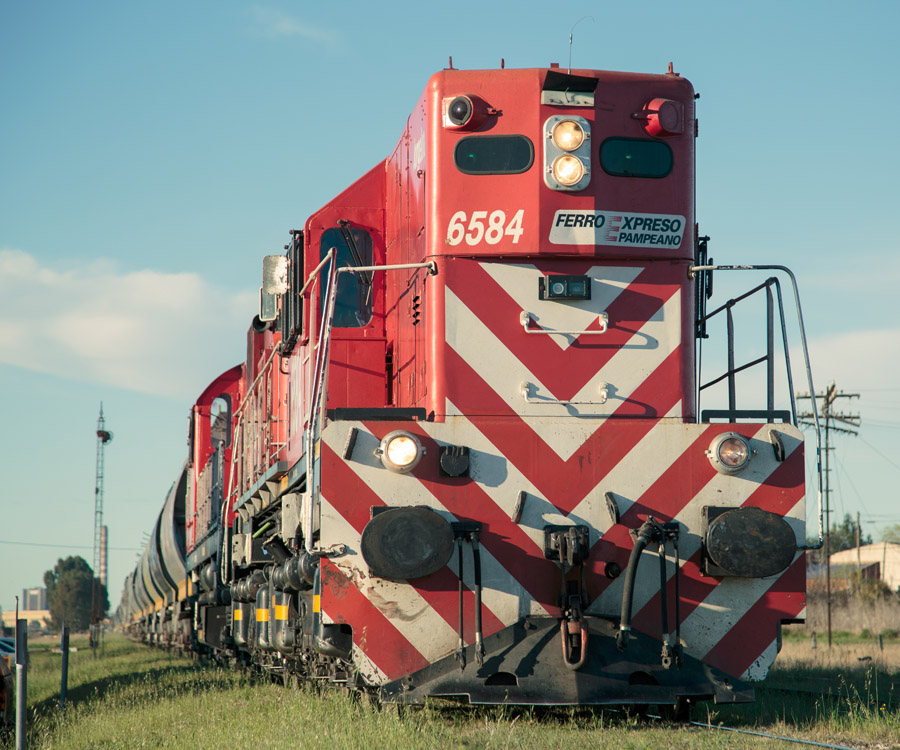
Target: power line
[[849, 478], [66, 546], [891, 462]]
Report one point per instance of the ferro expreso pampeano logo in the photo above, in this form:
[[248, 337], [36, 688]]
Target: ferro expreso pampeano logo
[[616, 228]]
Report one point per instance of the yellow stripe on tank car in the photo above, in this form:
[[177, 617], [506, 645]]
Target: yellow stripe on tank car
[[281, 612], [182, 590], [262, 615], [317, 603], [238, 614]]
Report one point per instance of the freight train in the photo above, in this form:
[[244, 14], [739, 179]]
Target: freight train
[[466, 456]]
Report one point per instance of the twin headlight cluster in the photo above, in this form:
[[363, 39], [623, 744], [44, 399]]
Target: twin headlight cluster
[[567, 153], [729, 453]]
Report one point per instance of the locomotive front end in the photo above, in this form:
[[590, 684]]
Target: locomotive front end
[[543, 398], [466, 456]]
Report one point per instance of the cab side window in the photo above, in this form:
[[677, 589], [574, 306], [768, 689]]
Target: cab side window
[[220, 420], [353, 306]]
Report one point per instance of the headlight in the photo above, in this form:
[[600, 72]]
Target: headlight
[[567, 152], [400, 451], [729, 453], [568, 135], [568, 170]]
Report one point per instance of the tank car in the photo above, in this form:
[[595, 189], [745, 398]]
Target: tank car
[[471, 411]]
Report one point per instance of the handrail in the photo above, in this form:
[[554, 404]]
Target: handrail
[[768, 358], [262, 371], [787, 271], [316, 415], [315, 271], [231, 490], [525, 318], [525, 392]]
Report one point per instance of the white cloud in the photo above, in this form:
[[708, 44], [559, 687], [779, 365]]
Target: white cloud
[[272, 22], [867, 275], [856, 360], [148, 331]]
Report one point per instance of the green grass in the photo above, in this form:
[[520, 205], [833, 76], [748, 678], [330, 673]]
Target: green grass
[[802, 634], [135, 697]]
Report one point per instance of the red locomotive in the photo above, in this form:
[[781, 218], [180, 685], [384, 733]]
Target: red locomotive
[[471, 407]]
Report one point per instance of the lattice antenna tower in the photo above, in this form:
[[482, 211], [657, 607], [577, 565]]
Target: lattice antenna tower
[[103, 437]]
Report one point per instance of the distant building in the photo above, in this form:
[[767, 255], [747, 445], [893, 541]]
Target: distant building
[[32, 607], [38, 619], [34, 598], [875, 561]]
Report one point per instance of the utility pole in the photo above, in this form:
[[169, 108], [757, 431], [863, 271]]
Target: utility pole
[[829, 396], [858, 542], [103, 437]]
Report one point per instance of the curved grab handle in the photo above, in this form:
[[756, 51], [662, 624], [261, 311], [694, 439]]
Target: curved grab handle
[[525, 319], [525, 392]]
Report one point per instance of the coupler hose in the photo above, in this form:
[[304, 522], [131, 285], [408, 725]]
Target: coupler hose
[[649, 531]]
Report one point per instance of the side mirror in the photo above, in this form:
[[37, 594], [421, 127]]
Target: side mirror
[[275, 283]]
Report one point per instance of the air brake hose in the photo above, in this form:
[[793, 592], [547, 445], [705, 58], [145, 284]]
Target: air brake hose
[[479, 633], [648, 531]]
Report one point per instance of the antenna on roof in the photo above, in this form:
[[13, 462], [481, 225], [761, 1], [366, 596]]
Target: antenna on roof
[[570, 39]]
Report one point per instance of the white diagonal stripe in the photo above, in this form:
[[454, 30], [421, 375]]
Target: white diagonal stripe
[[367, 668], [521, 283], [731, 598], [723, 608], [407, 610], [502, 594], [504, 373], [721, 490]]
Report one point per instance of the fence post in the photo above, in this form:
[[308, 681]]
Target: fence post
[[64, 683], [21, 682]]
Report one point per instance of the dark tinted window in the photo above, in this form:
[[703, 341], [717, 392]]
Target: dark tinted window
[[494, 154], [635, 157], [353, 304]]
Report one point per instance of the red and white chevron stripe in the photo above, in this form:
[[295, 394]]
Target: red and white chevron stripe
[[565, 456]]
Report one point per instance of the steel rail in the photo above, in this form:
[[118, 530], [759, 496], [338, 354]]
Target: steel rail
[[813, 743]]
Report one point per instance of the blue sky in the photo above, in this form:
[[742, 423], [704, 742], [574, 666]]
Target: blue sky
[[150, 154]]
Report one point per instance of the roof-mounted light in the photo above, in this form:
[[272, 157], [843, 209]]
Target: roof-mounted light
[[464, 111]]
